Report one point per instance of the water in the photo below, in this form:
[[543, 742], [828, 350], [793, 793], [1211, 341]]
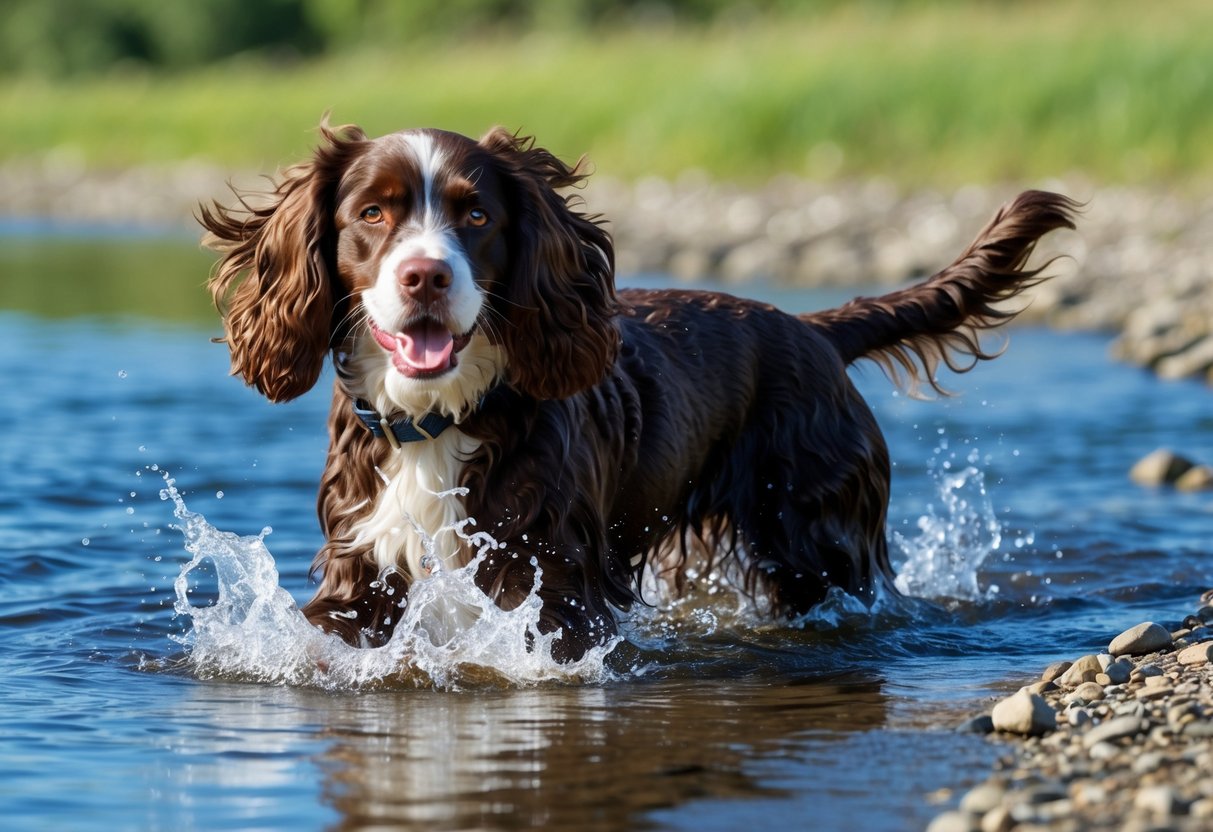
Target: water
[[154, 673]]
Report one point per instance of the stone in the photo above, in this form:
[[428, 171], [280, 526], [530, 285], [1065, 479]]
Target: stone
[[1086, 692], [1147, 762], [1160, 467], [1201, 809], [1084, 669], [1024, 713], [1201, 653], [1078, 717], [981, 799], [1196, 478], [999, 819], [1157, 800], [1199, 729], [1118, 672], [983, 724], [1054, 670], [953, 822], [1114, 729], [1146, 637]]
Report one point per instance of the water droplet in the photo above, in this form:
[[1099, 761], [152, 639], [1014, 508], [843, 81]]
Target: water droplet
[[218, 495], [85, 541], [122, 374], [130, 510]]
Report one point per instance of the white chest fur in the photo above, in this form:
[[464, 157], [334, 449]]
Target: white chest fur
[[417, 516]]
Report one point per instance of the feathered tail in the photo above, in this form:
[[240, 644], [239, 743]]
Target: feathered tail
[[912, 330]]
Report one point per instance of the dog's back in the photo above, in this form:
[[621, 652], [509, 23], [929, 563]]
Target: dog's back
[[791, 469]]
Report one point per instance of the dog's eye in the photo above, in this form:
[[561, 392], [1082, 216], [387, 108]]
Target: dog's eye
[[372, 215], [477, 217]]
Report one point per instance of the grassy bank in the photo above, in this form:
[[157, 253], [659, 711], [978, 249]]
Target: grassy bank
[[922, 93]]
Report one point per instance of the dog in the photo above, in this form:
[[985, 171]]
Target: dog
[[488, 372]]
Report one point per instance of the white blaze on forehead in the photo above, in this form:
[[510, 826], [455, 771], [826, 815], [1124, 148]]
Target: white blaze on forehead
[[429, 161]]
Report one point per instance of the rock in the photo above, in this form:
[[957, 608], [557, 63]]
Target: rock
[[1118, 672], [1147, 762], [1157, 800], [1054, 670], [1114, 729], [1082, 670], [953, 822], [1201, 729], [1024, 713], [1160, 467], [1196, 654], [1201, 809], [1078, 717], [981, 799], [1086, 692], [1146, 637], [977, 725], [1196, 478], [999, 819]]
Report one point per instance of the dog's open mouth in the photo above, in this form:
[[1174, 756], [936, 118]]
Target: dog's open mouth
[[424, 348]]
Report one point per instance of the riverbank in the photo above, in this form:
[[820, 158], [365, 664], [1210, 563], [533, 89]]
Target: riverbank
[[1140, 265], [1120, 740]]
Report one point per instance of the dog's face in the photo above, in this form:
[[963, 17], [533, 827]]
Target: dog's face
[[431, 264], [421, 224]]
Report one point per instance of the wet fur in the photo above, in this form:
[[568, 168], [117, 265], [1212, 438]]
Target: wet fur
[[614, 426]]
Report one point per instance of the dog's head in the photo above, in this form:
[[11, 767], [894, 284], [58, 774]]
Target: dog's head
[[433, 265]]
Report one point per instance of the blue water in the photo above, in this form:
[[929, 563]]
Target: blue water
[[1018, 532]]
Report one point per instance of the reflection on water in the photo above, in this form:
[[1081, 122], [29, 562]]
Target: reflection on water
[[96, 272], [613, 757]]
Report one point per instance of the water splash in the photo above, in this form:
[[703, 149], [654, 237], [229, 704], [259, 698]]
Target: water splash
[[254, 630], [955, 536], [450, 635]]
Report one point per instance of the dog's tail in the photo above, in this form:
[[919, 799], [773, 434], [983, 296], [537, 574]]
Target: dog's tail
[[912, 330]]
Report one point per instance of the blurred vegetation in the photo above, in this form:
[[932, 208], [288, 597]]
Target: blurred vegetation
[[936, 91]]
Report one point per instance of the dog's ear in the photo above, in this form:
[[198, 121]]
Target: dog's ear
[[558, 298], [273, 284]]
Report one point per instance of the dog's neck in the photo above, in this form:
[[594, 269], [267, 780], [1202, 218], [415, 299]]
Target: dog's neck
[[403, 429]]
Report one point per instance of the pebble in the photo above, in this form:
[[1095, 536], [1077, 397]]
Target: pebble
[[1146, 637], [982, 724], [1114, 729], [1086, 693], [1157, 800], [1160, 467], [1196, 654], [1024, 713], [982, 798], [1054, 670], [1082, 670], [954, 822]]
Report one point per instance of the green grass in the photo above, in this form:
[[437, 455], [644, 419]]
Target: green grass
[[937, 93]]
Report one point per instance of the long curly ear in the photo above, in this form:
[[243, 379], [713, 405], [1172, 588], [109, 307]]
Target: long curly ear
[[560, 332], [273, 285]]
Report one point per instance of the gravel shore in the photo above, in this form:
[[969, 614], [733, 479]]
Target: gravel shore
[[1120, 740], [1140, 266]]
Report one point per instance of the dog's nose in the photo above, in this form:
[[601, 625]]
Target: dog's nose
[[423, 277]]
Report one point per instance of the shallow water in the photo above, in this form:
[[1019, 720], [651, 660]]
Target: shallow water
[[127, 706]]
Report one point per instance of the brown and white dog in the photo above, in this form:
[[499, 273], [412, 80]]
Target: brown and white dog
[[488, 369]]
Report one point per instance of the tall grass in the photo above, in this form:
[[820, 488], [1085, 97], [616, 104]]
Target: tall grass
[[936, 92]]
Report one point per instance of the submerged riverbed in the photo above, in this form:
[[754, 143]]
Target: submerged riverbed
[[132, 703]]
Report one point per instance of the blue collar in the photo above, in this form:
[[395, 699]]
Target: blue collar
[[406, 429]]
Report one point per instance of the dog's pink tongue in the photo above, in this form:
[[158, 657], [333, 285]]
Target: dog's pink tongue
[[427, 347]]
